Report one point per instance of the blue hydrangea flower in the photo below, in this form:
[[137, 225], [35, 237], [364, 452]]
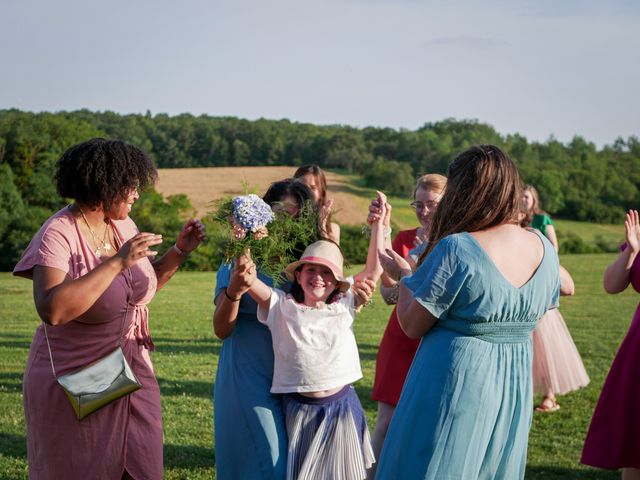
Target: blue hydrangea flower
[[251, 212]]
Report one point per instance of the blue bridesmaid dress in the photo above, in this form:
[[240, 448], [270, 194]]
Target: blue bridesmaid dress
[[249, 430], [466, 406]]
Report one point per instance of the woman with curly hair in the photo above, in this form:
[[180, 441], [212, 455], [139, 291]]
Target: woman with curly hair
[[93, 276]]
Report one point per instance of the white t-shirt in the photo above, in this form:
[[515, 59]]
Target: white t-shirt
[[314, 348]]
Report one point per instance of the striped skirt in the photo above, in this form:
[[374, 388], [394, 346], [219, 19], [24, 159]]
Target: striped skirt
[[328, 437]]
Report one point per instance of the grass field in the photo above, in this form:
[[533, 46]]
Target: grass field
[[187, 354]]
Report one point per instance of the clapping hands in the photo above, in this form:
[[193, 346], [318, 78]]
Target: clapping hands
[[191, 235], [632, 230], [393, 264]]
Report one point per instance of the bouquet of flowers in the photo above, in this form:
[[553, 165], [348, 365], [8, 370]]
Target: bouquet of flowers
[[274, 239]]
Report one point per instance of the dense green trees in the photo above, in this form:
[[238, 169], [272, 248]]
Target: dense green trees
[[576, 180]]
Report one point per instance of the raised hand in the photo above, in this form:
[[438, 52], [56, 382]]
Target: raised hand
[[379, 209], [393, 264], [243, 275], [191, 235], [421, 237], [632, 230], [325, 211], [138, 248]]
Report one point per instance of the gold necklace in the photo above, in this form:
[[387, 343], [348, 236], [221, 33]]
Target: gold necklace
[[102, 244]]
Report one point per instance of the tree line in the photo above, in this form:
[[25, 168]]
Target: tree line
[[576, 180]]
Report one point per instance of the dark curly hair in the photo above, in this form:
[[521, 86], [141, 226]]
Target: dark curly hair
[[101, 172]]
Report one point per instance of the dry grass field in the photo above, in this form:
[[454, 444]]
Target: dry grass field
[[205, 185]]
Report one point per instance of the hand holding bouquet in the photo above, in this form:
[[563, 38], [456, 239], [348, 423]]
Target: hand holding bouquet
[[272, 238]]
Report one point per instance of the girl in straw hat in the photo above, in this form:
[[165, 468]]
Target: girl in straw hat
[[316, 358]]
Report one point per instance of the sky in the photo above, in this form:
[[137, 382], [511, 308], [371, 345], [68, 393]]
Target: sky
[[539, 68]]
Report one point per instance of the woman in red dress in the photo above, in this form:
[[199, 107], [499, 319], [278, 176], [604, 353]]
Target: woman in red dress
[[396, 349]]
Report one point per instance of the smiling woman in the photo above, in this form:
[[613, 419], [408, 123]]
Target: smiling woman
[[92, 280]]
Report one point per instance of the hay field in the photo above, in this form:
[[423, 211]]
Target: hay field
[[205, 185]]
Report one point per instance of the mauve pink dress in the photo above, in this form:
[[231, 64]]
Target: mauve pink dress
[[126, 434], [613, 439]]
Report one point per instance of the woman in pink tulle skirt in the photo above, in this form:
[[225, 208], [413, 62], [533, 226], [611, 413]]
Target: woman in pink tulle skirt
[[613, 440], [557, 366]]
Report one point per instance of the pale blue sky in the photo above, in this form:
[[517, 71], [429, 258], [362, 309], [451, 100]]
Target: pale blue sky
[[539, 67]]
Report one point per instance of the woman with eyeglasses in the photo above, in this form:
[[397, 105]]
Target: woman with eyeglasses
[[396, 349]]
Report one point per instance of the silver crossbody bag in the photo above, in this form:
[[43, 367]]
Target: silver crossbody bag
[[99, 383]]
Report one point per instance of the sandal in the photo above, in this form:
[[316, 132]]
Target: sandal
[[547, 406]]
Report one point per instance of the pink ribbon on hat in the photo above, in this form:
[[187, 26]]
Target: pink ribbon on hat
[[323, 261]]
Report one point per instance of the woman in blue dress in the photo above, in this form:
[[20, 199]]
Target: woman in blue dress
[[249, 430], [481, 285]]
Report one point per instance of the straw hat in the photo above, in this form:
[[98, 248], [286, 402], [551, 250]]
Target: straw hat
[[323, 253]]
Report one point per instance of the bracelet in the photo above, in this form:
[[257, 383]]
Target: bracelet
[[387, 232], [180, 252], [226, 294], [407, 273]]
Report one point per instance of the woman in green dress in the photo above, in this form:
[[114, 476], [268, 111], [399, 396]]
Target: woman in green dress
[[538, 218]]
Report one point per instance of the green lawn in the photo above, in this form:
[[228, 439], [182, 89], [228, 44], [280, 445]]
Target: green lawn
[[187, 353]]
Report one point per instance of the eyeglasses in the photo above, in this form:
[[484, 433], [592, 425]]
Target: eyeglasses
[[421, 206]]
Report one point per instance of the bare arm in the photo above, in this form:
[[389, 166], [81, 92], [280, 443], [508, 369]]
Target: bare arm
[[59, 299], [334, 233], [550, 233], [567, 287], [414, 319], [228, 301], [377, 212], [373, 268], [191, 235], [260, 292], [617, 275]]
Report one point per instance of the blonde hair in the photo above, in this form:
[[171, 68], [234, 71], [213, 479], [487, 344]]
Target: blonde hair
[[431, 182], [536, 208]]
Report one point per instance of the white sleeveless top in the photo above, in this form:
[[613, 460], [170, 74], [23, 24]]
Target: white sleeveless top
[[314, 348]]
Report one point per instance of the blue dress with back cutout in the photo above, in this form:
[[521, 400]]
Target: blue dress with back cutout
[[466, 406]]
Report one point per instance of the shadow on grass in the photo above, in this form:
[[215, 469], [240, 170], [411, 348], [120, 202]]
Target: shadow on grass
[[368, 352], [191, 388], [552, 473], [170, 345], [11, 382], [20, 344], [13, 445], [188, 456], [364, 394]]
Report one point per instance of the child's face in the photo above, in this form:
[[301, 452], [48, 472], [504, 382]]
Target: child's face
[[317, 282]]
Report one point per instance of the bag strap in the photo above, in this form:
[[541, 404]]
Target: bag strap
[[126, 314]]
